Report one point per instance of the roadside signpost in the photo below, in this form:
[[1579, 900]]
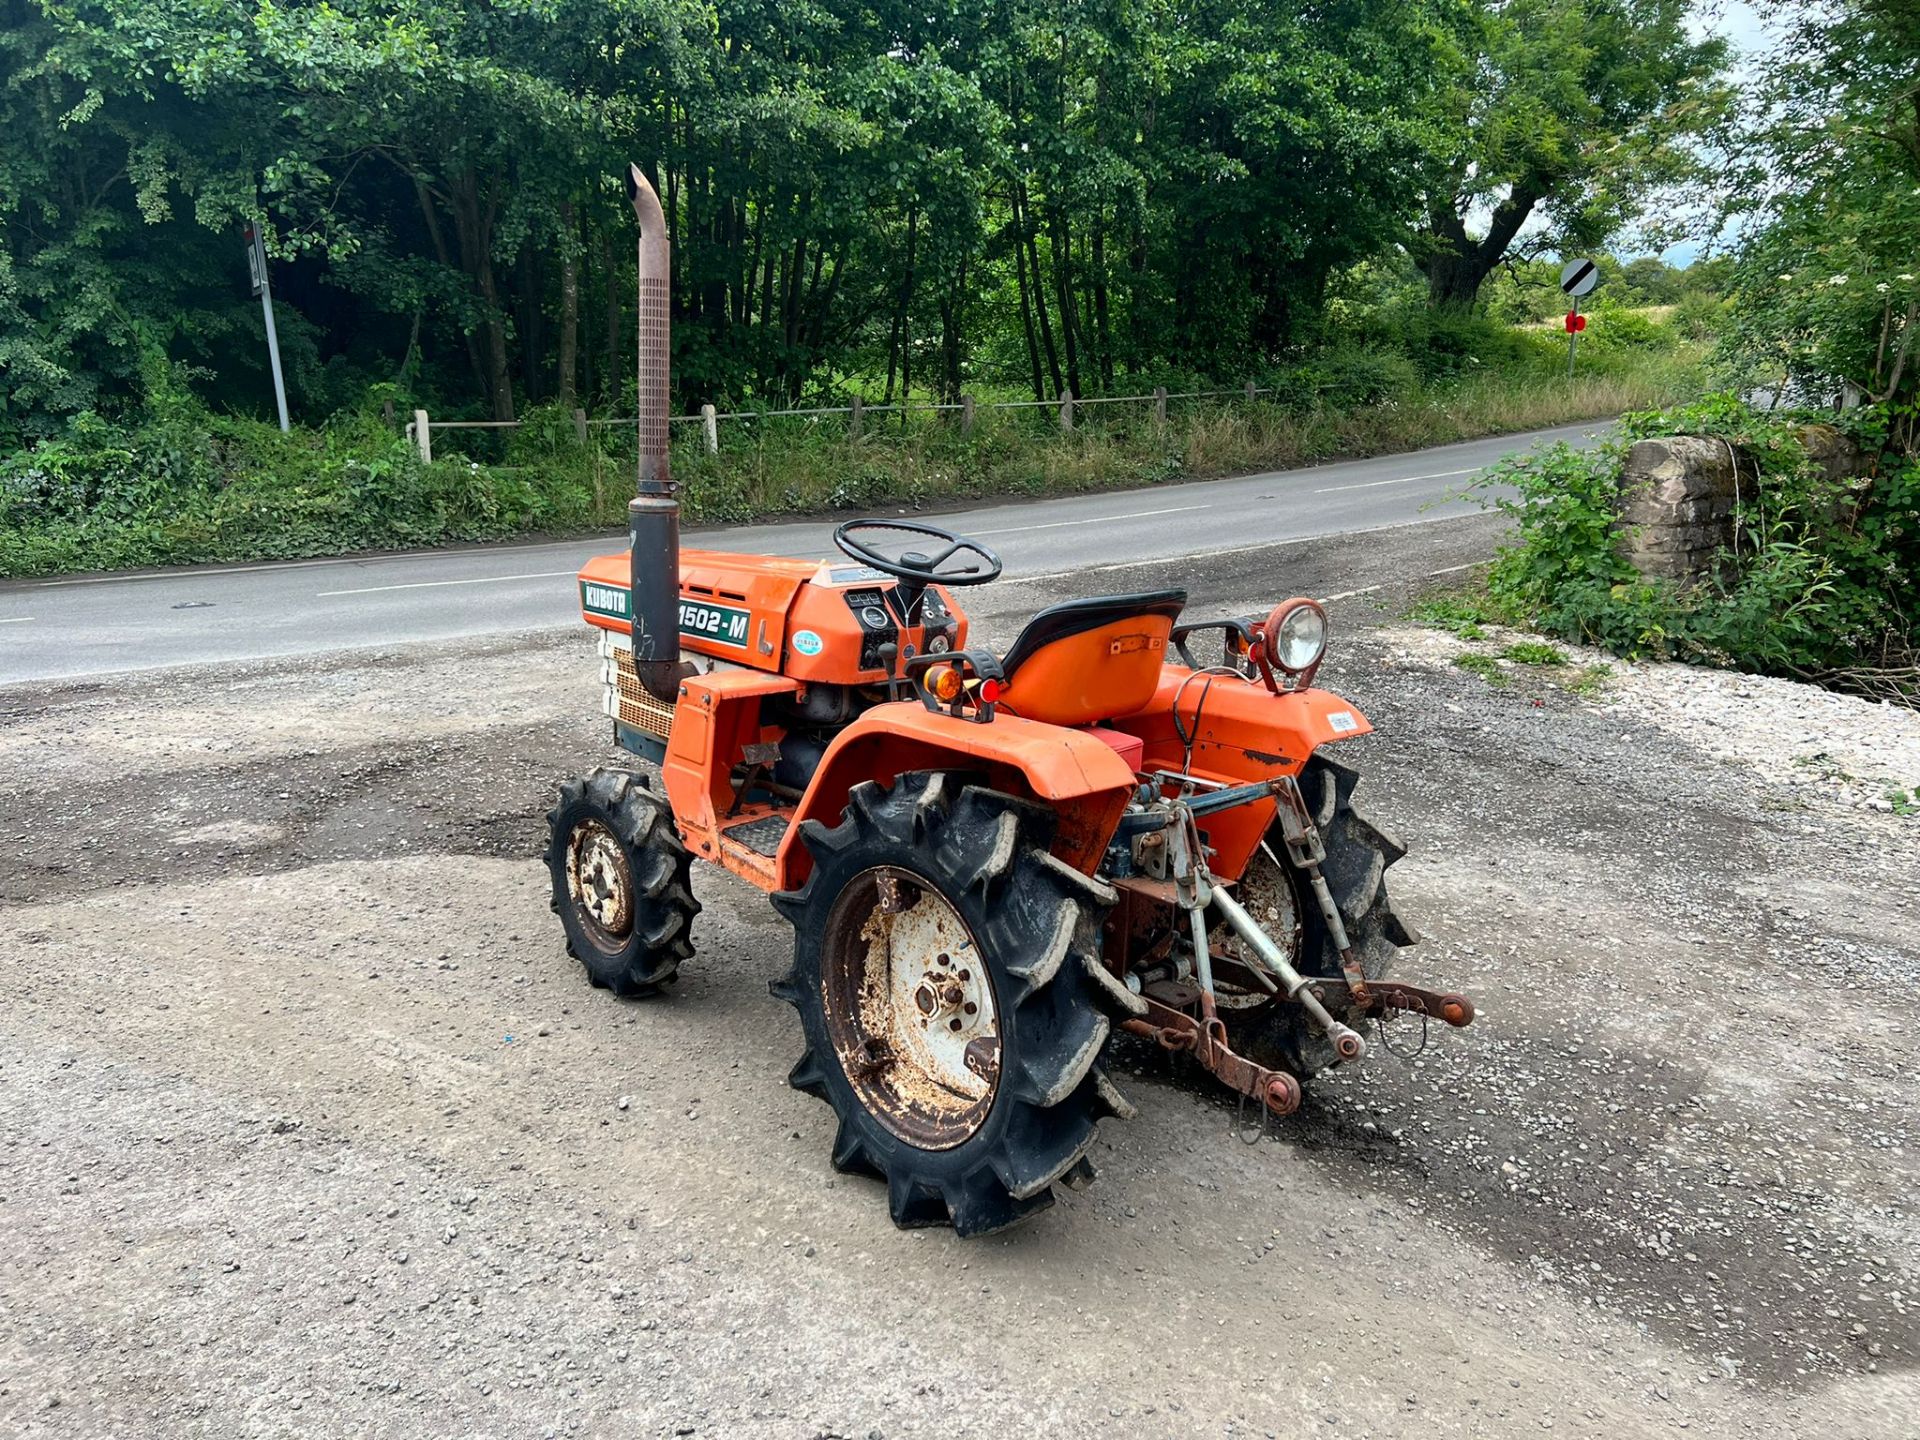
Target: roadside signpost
[[1577, 278], [263, 287]]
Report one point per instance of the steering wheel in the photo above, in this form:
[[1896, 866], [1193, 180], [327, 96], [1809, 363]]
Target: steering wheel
[[916, 569]]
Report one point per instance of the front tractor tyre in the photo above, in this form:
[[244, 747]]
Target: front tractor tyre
[[620, 882], [952, 1000]]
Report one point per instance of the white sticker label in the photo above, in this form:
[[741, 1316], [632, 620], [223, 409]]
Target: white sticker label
[[1341, 721], [807, 643]]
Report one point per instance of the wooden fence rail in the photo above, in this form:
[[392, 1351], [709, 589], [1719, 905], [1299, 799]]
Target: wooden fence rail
[[420, 429]]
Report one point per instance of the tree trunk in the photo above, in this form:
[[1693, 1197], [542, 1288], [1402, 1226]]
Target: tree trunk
[[569, 307], [1454, 278], [445, 257], [533, 344], [906, 310], [950, 337], [1456, 265], [1040, 297], [473, 228], [790, 315], [898, 337], [1026, 308], [610, 383], [764, 320], [1103, 329], [1061, 245], [823, 307], [805, 325]]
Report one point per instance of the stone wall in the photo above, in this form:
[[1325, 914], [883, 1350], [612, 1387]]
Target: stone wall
[[1676, 504], [1677, 497]]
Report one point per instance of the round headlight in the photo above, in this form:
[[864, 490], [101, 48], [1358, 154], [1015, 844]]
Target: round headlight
[[1296, 636]]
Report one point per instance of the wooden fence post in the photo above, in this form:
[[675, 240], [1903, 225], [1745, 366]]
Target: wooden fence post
[[580, 426], [966, 414], [1066, 410], [1252, 390], [1159, 407], [710, 426], [853, 419], [423, 436]]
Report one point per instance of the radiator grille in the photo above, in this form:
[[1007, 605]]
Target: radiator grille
[[627, 700]]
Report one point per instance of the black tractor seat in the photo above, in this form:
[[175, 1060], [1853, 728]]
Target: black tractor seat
[[1091, 659], [1076, 617]]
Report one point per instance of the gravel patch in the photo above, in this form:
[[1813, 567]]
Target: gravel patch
[[1860, 753], [313, 1128]]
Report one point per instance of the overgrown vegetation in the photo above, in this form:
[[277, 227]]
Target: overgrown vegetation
[[1823, 579], [188, 485], [884, 198], [1001, 200]]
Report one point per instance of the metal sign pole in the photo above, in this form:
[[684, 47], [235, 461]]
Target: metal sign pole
[[1577, 278], [263, 287]]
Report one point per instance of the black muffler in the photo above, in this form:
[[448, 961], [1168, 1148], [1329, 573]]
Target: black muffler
[[653, 515]]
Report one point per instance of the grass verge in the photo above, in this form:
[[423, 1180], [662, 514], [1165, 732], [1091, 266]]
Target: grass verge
[[188, 486]]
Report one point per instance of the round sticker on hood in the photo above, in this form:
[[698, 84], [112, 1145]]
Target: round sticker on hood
[[807, 643]]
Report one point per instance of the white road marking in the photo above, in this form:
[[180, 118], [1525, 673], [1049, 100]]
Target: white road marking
[[1431, 574], [1231, 549], [385, 557], [195, 572], [434, 584], [1090, 520], [1402, 480], [18, 620]]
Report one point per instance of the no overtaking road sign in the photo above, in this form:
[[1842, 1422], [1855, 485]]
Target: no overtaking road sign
[[1578, 277]]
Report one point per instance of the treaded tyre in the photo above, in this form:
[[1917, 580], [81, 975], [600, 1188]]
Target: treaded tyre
[[1359, 850], [621, 882], [946, 970]]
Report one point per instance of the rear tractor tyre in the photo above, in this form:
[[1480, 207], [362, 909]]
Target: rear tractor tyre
[[621, 882], [1358, 854], [952, 1000]]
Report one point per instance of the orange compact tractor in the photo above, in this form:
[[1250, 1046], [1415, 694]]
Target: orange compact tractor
[[991, 859]]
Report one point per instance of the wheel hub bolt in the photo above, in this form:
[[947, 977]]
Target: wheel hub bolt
[[937, 994]]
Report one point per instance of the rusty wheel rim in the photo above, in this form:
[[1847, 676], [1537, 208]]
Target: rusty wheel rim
[[600, 882], [911, 1008], [1267, 894]]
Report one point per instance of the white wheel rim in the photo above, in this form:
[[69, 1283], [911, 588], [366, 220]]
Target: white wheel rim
[[911, 1009], [599, 879]]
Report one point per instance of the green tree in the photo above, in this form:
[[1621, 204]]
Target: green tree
[[1570, 111], [876, 196], [1825, 180]]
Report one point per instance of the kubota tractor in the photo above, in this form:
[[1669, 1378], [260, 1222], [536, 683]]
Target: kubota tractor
[[991, 860]]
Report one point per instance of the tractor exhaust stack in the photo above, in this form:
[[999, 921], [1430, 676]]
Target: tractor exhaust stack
[[653, 515]]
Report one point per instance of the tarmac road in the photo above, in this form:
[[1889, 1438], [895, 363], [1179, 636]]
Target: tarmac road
[[93, 625]]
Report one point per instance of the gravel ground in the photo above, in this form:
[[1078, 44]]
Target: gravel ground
[[1862, 753], [312, 1129]]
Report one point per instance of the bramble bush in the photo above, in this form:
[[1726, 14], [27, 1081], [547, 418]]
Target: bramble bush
[[1823, 580]]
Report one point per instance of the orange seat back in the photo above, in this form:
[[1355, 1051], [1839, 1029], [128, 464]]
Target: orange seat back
[[1090, 660]]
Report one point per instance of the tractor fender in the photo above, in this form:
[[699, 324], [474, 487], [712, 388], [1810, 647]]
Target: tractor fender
[[1240, 731], [1320, 717], [1076, 774], [1236, 732]]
